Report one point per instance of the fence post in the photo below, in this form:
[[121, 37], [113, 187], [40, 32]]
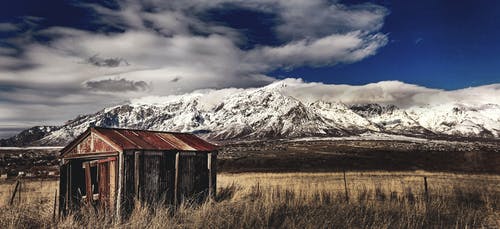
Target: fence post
[[14, 193], [55, 206], [345, 187], [20, 191], [426, 189]]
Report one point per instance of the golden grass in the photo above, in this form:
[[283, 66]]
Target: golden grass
[[304, 200], [31, 192]]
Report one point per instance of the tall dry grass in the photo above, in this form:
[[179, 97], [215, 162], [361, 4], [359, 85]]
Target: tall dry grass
[[306, 200]]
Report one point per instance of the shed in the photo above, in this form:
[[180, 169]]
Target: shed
[[112, 168]]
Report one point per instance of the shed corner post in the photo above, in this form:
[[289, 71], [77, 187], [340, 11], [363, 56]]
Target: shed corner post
[[212, 174], [138, 168], [119, 208], [176, 185], [63, 187]]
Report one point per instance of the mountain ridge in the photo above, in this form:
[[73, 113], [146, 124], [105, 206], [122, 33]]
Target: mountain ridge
[[272, 112]]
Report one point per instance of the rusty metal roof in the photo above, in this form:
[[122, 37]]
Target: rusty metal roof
[[155, 140], [130, 139]]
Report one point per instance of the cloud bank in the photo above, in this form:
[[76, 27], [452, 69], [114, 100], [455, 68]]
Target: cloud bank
[[388, 92], [165, 48], [396, 93]]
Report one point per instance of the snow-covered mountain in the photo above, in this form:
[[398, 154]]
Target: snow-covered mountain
[[274, 112]]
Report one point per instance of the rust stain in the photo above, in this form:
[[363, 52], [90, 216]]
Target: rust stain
[[196, 142], [155, 140], [176, 142], [129, 139]]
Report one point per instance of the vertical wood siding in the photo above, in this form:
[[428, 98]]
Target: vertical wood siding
[[192, 177]]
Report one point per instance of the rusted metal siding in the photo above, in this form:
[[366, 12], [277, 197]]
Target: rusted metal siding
[[195, 142], [175, 142]]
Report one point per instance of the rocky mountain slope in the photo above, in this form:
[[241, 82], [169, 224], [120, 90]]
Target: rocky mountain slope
[[270, 113]]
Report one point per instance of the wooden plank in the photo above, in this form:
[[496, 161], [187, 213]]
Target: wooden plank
[[176, 185], [63, 179], [213, 174], [70, 185], [112, 183], [88, 182], [201, 177], [91, 155], [169, 160], [155, 153], [107, 159], [54, 207], [137, 176], [193, 177], [141, 177], [92, 147], [188, 154], [185, 181], [210, 181], [129, 180], [103, 184], [150, 178], [14, 193], [163, 178], [121, 197]]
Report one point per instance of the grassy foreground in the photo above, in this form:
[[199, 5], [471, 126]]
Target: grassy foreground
[[304, 200]]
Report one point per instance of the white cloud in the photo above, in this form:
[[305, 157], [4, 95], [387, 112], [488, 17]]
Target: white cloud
[[170, 49], [8, 27], [385, 92], [312, 19], [333, 49], [7, 51]]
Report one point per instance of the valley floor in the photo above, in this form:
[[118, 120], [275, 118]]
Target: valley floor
[[307, 155], [318, 155]]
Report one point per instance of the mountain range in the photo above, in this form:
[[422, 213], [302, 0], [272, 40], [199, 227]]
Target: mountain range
[[278, 111]]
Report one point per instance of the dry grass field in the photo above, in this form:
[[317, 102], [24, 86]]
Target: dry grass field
[[293, 200]]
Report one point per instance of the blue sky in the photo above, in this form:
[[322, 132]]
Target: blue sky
[[439, 44], [81, 56]]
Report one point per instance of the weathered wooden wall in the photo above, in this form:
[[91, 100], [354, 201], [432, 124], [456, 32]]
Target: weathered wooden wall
[[193, 176], [156, 177], [117, 163], [128, 188], [148, 177], [152, 177]]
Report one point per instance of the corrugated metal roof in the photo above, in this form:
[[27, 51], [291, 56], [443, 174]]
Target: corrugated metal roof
[[155, 140]]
